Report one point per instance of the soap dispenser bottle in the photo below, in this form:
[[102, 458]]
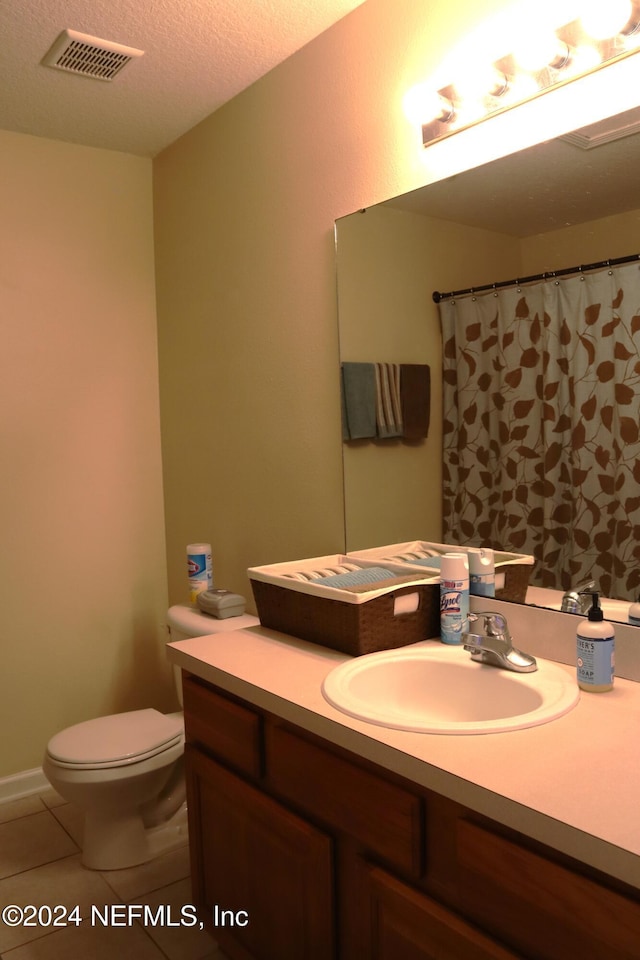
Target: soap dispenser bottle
[[634, 613], [595, 651]]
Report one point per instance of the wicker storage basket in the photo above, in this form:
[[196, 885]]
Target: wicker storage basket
[[382, 616], [512, 569]]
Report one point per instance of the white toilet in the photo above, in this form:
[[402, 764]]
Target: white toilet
[[125, 771]]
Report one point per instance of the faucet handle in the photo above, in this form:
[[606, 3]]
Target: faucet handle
[[578, 600], [490, 623], [490, 642]]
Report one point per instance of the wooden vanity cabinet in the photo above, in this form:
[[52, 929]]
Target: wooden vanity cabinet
[[405, 924], [543, 906], [263, 877], [329, 856]]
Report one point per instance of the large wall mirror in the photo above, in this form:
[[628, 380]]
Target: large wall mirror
[[570, 201]]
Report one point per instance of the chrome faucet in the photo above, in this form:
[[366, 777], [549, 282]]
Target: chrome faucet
[[490, 642], [578, 600]]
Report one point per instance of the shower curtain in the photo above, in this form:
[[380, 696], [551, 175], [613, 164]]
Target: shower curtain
[[541, 426]]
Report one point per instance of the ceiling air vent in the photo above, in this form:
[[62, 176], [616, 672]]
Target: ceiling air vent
[[605, 131], [90, 56]]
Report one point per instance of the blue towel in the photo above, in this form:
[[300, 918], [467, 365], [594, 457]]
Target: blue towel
[[433, 562], [358, 401], [356, 577]]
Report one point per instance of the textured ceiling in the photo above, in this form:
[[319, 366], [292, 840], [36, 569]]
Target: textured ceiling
[[198, 55], [553, 185]]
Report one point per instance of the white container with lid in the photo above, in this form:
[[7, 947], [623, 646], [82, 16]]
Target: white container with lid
[[482, 572], [199, 569]]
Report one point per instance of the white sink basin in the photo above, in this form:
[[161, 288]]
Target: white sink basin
[[433, 688]]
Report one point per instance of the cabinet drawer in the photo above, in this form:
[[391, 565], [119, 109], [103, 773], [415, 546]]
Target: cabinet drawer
[[398, 921], [386, 819], [545, 909], [230, 731]]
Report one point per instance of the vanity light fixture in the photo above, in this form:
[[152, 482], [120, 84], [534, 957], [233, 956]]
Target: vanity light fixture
[[544, 59]]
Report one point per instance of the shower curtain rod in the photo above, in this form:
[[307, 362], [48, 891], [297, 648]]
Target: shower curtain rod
[[437, 296]]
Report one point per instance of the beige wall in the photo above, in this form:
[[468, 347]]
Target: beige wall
[[607, 238], [82, 568], [389, 263]]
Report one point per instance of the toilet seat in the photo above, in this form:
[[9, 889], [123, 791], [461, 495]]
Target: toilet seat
[[115, 741]]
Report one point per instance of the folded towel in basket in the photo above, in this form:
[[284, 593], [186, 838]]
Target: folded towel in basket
[[365, 575]]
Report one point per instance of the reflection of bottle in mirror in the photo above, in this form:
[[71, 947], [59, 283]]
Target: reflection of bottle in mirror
[[482, 572], [634, 613], [454, 596], [595, 646]]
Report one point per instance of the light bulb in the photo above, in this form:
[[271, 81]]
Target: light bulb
[[479, 80], [584, 59], [521, 87], [602, 21], [422, 104], [540, 48]]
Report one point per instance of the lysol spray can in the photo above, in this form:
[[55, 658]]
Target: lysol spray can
[[482, 572], [454, 596], [199, 569]]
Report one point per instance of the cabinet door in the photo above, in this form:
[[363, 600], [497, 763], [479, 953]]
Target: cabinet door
[[404, 924], [262, 877], [543, 908]]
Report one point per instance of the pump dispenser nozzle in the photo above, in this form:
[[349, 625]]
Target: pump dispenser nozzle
[[595, 613]]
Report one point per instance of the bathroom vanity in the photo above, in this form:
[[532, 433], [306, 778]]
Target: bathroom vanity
[[316, 835]]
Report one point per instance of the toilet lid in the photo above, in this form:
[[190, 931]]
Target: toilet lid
[[121, 738]]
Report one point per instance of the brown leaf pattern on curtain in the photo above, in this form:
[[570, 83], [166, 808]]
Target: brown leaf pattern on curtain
[[542, 427]]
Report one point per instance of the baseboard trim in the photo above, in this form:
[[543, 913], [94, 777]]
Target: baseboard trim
[[23, 784]]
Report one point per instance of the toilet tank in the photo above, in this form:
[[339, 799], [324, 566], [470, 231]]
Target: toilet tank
[[185, 621]]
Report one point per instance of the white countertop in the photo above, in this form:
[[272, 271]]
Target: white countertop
[[573, 784]]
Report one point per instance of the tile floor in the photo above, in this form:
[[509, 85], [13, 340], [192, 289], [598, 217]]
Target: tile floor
[[40, 865]]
